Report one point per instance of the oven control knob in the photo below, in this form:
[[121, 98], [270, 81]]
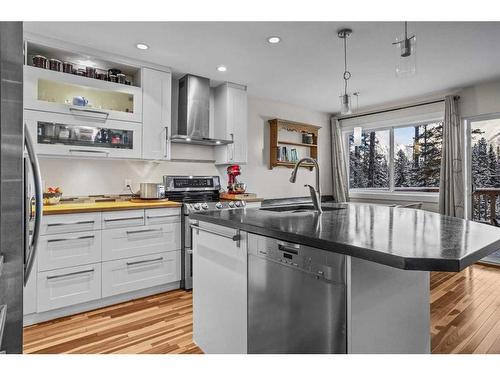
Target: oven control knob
[[231, 204], [204, 206], [238, 204], [197, 206], [218, 205]]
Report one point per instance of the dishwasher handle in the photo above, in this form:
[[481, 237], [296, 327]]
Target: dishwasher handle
[[292, 248], [236, 237]]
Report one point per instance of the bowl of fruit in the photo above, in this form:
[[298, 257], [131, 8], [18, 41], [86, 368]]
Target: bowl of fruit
[[52, 196]]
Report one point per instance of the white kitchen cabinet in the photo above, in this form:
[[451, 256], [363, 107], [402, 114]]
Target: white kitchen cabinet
[[126, 275], [69, 223], [123, 243], [83, 135], [220, 264], [230, 122], [51, 91], [156, 117], [68, 286], [68, 250]]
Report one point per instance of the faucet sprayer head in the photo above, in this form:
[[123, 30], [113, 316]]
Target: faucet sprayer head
[[293, 177]]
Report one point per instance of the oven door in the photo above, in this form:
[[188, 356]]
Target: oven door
[[187, 252]]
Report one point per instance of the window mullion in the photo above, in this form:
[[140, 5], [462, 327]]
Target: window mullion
[[391, 160]]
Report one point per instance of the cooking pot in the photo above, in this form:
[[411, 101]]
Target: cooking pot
[[150, 190]]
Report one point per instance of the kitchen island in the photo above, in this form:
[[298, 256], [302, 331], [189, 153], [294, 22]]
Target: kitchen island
[[354, 279]]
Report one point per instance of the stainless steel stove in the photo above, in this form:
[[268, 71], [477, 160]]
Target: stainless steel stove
[[197, 193]]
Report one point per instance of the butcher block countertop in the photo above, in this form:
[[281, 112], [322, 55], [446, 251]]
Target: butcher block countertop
[[73, 208]]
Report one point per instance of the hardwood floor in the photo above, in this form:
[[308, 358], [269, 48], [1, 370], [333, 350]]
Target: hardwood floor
[[465, 318], [465, 311], [157, 324]]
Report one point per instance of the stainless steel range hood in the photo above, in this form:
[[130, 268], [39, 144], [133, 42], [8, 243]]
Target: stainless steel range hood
[[194, 112]]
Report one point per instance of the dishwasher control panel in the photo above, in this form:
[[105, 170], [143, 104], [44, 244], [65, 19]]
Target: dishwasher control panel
[[319, 263]]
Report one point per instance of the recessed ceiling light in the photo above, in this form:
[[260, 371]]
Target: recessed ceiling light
[[274, 39], [221, 68], [142, 46]]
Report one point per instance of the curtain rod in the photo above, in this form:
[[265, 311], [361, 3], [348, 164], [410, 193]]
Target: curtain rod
[[394, 109]]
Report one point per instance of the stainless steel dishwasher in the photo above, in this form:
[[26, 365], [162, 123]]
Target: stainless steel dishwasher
[[296, 298]]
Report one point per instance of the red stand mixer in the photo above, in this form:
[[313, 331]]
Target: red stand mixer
[[233, 186]]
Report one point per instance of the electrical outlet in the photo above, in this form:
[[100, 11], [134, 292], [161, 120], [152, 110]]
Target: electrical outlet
[[128, 182]]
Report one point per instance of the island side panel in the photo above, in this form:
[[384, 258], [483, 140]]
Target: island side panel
[[388, 309]]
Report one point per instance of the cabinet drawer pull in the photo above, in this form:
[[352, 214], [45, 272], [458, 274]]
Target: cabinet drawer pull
[[144, 261], [161, 216], [89, 151], [89, 112], [71, 238], [70, 274], [125, 218], [143, 231], [71, 223], [236, 237]]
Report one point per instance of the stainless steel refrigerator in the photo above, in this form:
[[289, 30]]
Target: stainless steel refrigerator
[[20, 191]]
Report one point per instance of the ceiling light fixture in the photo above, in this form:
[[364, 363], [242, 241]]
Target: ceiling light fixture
[[345, 98], [142, 46], [406, 58], [274, 39], [221, 68]]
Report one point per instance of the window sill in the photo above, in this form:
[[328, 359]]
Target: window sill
[[395, 196]]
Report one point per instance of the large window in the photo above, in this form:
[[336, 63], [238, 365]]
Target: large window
[[406, 158]]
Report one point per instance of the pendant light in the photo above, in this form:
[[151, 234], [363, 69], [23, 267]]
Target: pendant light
[[406, 54], [345, 98]]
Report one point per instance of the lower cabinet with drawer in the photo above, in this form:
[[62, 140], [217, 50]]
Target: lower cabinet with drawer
[[68, 286], [126, 275], [128, 242]]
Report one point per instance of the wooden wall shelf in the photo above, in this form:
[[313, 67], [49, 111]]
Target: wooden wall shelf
[[275, 125]]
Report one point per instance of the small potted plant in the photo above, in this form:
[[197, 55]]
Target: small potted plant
[[52, 196]]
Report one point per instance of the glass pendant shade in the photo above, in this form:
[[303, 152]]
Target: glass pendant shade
[[345, 104], [406, 62]]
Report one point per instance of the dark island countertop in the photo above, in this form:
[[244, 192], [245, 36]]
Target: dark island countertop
[[398, 237]]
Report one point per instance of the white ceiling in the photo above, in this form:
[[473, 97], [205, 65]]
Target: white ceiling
[[306, 67]]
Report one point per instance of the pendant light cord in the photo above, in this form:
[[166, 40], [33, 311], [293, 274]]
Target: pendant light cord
[[347, 74]]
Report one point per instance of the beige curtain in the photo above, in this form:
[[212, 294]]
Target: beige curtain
[[451, 186], [339, 173]]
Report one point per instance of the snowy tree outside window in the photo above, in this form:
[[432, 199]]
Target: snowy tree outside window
[[416, 158]]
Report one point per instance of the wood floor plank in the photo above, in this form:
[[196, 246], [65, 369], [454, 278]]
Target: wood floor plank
[[465, 318]]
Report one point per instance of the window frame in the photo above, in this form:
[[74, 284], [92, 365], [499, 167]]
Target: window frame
[[390, 193]]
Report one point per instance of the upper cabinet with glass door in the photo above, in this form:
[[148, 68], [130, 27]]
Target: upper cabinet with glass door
[[59, 81]]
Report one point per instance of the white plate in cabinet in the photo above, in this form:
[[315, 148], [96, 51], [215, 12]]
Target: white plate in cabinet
[[162, 215], [68, 286], [68, 223], [82, 135], [69, 250], [149, 239], [122, 219], [50, 91], [126, 275]]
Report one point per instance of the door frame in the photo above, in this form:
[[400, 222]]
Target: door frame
[[468, 157]]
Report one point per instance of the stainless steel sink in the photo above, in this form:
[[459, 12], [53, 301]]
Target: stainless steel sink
[[299, 208]]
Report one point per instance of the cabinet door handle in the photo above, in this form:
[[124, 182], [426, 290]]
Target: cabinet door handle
[[143, 231], [161, 216], [167, 143], [70, 274], [89, 113], [232, 147], [144, 261], [71, 223], [89, 151], [71, 238], [125, 218], [236, 237]]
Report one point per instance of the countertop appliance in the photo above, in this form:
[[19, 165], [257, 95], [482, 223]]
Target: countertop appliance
[[20, 194], [194, 113], [150, 190], [296, 299], [233, 186], [197, 193]]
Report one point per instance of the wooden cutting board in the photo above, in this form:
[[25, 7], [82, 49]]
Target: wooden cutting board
[[239, 197]]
